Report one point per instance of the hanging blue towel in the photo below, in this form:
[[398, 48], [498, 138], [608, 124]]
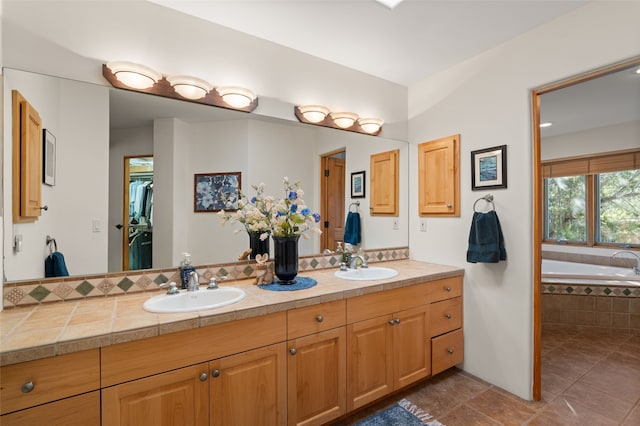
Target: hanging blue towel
[[54, 266], [352, 233], [486, 243]]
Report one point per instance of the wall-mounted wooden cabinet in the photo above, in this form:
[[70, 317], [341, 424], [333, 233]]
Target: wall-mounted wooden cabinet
[[385, 183], [439, 177], [27, 160]]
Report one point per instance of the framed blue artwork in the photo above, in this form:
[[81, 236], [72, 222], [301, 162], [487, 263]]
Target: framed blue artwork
[[489, 168], [216, 191], [358, 184]]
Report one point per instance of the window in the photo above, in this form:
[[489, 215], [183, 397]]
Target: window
[[593, 200]]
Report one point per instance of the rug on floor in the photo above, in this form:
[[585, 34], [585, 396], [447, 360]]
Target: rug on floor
[[402, 413]]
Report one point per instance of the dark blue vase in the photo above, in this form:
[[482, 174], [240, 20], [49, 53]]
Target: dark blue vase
[[286, 258], [257, 245]]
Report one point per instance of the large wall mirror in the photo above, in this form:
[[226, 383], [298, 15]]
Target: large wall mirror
[[98, 127]]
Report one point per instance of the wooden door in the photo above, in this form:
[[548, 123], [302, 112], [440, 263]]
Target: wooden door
[[250, 388], [175, 398], [370, 359], [412, 346], [385, 183], [316, 366], [332, 199], [439, 177]]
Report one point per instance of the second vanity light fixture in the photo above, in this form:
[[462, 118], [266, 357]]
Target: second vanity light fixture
[[321, 116], [140, 78]]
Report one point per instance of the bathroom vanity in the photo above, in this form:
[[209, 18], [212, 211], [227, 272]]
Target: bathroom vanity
[[298, 358]]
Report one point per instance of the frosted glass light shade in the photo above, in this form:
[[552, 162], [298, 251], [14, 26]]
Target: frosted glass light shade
[[343, 120], [134, 75], [370, 125], [314, 113], [189, 87], [236, 97]]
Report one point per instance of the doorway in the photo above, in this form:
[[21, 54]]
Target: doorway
[[137, 235], [332, 187]]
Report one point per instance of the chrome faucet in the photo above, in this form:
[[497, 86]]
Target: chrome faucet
[[353, 261], [193, 284], [636, 269]]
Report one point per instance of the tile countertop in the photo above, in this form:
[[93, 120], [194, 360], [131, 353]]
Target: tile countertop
[[50, 329]]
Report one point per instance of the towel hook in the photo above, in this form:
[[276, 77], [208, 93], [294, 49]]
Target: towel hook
[[488, 198]]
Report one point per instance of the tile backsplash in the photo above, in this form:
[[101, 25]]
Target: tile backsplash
[[69, 288]]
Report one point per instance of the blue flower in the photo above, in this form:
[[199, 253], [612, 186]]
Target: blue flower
[[280, 213], [316, 216], [305, 212], [294, 208], [253, 200], [293, 195]]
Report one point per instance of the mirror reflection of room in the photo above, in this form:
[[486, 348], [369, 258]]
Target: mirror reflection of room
[[138, 253]]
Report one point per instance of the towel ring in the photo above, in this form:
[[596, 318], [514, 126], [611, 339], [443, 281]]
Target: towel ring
[[357, 204], [53, 246], [488, 198]]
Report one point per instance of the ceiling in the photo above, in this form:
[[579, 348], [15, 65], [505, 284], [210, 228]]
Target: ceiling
[[414, 40]]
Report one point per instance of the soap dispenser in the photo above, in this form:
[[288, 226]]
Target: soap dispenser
[[186, 269]]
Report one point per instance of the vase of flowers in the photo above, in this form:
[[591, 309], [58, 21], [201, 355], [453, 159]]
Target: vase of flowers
[[257, 244], [285, 251]]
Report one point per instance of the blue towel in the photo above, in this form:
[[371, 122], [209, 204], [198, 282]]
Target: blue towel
[[54, 266], [486, 243], [352, 229]]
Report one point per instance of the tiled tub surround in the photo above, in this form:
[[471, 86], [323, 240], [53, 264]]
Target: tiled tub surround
[[49, 329], [80, 287]]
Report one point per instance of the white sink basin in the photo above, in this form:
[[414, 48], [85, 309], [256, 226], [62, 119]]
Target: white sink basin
[[194, 301], [367, 274]]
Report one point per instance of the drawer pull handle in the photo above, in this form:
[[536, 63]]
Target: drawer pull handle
[[447, 316], [203, 377], [215, 373], [447, 288], [450, 350], [27, 387], [319, 318], [293, 351]]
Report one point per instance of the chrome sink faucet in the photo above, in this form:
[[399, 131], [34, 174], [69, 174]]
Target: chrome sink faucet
[[354, 261], [194, 282], [636, 269]]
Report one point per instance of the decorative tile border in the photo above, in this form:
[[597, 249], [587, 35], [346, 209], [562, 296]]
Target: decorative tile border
[[56, 289], [590, 290]]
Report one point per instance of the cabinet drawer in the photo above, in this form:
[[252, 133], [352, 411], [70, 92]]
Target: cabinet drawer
[[447, 351], [446, 289], [316, 318], [51, 378], [445, 316], [82, 410]]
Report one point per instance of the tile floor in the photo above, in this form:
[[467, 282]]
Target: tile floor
[[589, 378]]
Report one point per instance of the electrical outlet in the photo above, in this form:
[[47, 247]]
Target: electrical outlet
[[423, 225], [396, 224]]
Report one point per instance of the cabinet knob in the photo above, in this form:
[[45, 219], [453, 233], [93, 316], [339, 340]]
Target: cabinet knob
[[203, 377], [450, 350], [215, 373], [319, 318], [392, 322], [449, 206], [27, 387], [293, 351], [447, 316], [397, 320], [447, 288]]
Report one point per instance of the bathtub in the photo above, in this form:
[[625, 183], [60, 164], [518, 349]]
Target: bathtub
[[555, 271]]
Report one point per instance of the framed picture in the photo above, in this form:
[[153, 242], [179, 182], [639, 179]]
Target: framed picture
[[489, 168], [358, 184], [48, 158], [216, 191]]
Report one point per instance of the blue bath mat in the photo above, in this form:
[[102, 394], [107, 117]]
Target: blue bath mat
[[300, 284], [402, 413]]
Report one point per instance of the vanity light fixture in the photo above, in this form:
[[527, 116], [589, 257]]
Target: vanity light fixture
[[370, 125], [134, 75], [314, 113], [189, 87], [546, 124], [237, 97], [638, 71], [343, 120]]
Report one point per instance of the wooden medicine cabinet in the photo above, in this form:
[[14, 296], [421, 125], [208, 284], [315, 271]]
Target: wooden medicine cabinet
[[385, 183], [439, 177]]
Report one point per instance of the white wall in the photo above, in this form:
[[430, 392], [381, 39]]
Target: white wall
[[77, 115], [617, 137], [487, 100]]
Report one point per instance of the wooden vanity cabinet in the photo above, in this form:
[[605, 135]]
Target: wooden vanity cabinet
[[47, 391], [316, 363]]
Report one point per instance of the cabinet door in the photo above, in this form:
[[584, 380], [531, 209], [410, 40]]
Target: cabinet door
[[385, 183], [370, 349], [439, 177], [316, 367], [411, 345], [82, 410], [174, 398], [250, 388]]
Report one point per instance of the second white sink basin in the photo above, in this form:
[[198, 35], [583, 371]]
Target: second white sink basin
[[367, 274], [194, 301]]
